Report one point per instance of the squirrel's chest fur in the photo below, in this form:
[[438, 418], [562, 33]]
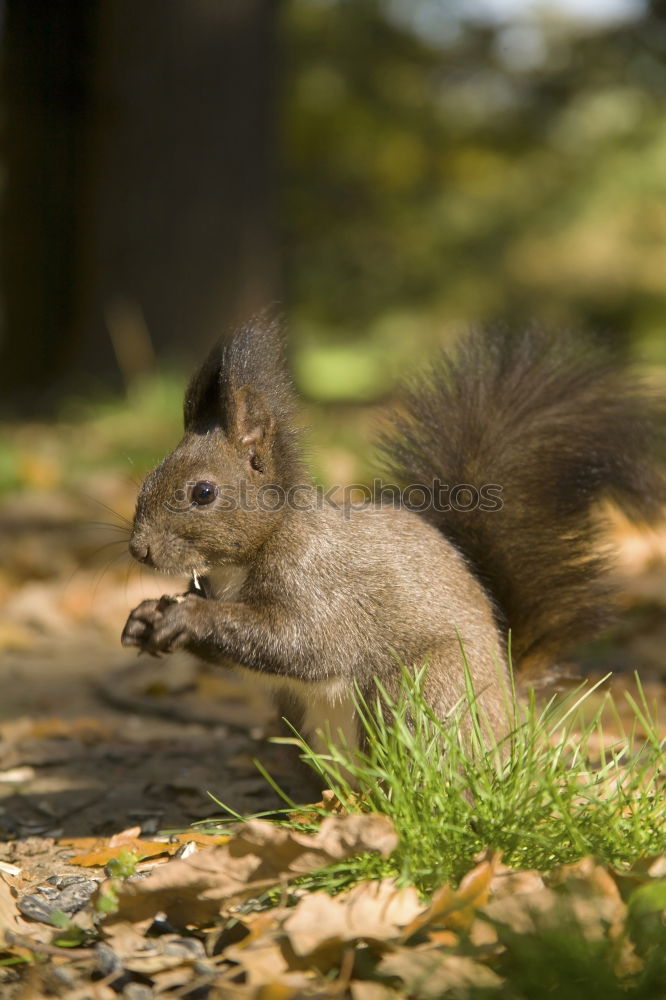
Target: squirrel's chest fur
[[325, 705], [404, 594]]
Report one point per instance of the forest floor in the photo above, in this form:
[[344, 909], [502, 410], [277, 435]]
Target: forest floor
[[102, 751]]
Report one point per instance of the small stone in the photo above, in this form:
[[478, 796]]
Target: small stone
[[137, 991], [187, 947], [36, 908], [75, 896], [108, 963], [186, 849], [48, 892]]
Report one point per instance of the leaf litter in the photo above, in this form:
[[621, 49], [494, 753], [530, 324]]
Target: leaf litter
[[207, 923]]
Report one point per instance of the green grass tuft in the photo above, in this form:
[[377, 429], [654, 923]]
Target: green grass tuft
[[550, 793]]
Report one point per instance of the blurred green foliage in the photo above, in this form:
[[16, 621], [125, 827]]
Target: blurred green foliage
[[91, 436], [441, 169], [121, 439]]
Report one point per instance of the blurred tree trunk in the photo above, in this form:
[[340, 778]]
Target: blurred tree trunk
[[138, 214], [46, 97]]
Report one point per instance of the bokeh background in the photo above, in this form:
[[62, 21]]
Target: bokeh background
[[382, 172], [385, 171]]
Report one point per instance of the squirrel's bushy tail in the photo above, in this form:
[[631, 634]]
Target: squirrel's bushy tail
[[558, 426]]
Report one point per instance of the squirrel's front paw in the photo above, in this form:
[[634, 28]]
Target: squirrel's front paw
[[140, 624], [164, 625]]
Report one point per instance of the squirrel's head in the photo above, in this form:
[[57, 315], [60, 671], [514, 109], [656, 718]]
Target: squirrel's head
[[219, 495]]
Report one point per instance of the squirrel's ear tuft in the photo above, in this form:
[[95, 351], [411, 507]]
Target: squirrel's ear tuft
[[251, 361], [203, 404], [243, 388]]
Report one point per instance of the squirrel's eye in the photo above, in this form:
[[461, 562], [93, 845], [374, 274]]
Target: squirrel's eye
[[203, 493]]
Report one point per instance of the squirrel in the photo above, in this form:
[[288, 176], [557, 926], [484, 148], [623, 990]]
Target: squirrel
[[509, 446]]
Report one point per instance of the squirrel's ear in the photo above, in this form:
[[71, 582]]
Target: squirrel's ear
[[252, 425]]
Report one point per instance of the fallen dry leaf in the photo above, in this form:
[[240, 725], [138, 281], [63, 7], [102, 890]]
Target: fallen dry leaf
[[514, 882], [86, 729], [455, 909], [200, 839], [582, 894], [430, 973], [367, 990], [260, 952], [9, 915], [329, 803], [524, 914], [165, 952], [584, 900], [593, 896], [657, 867], [11, 921], [126, 938], [262, 960], [141, 848], [261, 956], [97, 852], [195, 889], [371, 911]]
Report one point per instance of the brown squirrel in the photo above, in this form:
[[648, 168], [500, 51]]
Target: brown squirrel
[[531, 430]]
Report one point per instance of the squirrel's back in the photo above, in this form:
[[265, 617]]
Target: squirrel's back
[[549, 427]]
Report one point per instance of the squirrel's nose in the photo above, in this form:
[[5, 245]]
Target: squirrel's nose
[[140, 551]]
